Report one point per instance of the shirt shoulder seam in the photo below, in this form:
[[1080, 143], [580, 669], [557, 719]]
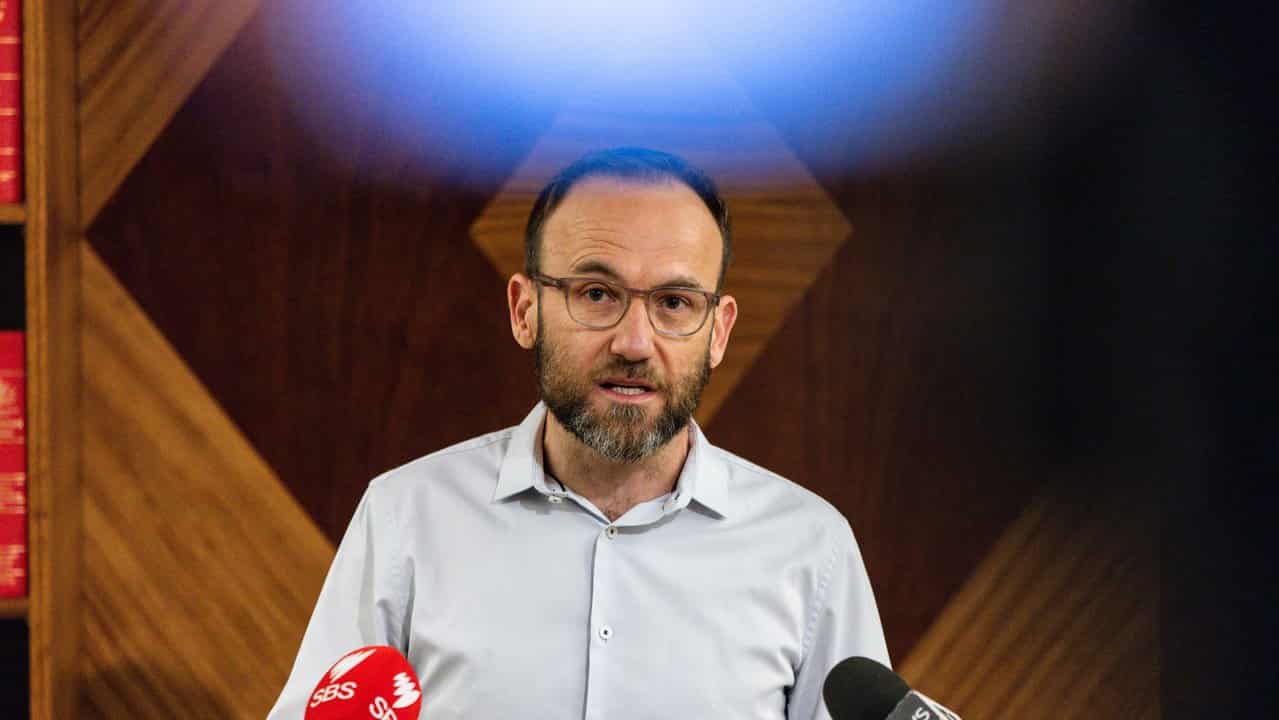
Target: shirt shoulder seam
[[747, 465], [819, 601]]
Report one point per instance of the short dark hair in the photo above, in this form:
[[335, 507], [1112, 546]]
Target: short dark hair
[[628, 163]]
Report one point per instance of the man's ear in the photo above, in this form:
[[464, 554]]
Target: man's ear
[[521, 299], [722, 320]]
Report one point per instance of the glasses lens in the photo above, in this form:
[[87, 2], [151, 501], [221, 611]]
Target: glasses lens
[[594, 303], [676, 311]]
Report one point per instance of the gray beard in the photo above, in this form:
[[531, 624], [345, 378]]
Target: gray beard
[[626, 446], [620, 433]]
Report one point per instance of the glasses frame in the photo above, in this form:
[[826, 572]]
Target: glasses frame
[[628, 294]]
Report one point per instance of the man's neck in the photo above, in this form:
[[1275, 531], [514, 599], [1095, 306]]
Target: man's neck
[[611, 486]]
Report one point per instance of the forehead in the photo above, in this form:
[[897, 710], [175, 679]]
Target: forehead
[[647, 232]]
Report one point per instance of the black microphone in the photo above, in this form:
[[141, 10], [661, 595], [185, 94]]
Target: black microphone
[[859, 688]]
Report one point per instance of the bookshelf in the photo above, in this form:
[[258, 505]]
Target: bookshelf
[[51, 237]]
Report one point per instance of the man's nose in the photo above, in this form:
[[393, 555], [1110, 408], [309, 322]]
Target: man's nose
[[633, 335]]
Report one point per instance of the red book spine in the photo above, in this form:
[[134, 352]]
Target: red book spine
[[13, 464], [10, 101]]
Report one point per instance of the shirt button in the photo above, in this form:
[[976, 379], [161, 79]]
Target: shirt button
[[606, 632], [556, 499], [611, 532]]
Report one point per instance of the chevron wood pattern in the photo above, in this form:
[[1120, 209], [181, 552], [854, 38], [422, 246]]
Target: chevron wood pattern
[[786, 228], [200, 569], [138, 60], [369, 329], [1060, 620], [898, 374]]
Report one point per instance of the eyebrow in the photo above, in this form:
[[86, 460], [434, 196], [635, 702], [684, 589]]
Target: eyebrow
[[598, 267]]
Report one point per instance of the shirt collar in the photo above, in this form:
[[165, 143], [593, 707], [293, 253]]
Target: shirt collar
[[704, 477], [522, 465]]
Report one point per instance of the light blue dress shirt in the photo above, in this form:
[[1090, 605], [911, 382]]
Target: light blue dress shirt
[[514, 598]]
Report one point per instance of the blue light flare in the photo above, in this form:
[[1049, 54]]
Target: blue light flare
[[475, 77]]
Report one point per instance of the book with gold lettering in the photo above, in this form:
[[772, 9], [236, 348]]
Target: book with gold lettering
[[13, 465], [10, 101]]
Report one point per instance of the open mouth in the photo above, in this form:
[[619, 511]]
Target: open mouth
[[626, 387]]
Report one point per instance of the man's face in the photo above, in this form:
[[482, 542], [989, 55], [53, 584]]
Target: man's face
[[625, 391]]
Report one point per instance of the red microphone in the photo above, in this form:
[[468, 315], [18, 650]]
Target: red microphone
[[372, 683]]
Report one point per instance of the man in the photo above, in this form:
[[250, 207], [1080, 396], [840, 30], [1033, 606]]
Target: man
[[603, 559]]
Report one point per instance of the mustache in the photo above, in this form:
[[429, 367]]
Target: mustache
[[638, 370]]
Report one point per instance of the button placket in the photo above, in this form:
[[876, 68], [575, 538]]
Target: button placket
[[603, 666]]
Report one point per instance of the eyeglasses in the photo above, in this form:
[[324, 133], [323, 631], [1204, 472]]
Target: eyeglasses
[[673, 311]]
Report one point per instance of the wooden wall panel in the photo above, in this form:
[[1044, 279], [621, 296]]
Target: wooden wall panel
[[900, 389], [1060, 620], [53, 243], [138, 61], [325, 292], [331, 298], [329, 295], [200, 569]]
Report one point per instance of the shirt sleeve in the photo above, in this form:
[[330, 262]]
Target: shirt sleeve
[[845, 624], [362, 602]]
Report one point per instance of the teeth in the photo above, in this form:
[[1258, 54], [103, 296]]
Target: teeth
[[627, 390]]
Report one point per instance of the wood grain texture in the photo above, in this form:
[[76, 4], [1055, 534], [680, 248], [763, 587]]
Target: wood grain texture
[[327, 291], [900, 389], [786, 228], [13, 608], [332, 304], [330, 296], [323, 303], [1061, 619], [202, 569], [138, 60], [53, 242], [13, 214]]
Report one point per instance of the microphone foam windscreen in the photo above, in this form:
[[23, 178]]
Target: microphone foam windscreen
[[859, 688], [371, 683]]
